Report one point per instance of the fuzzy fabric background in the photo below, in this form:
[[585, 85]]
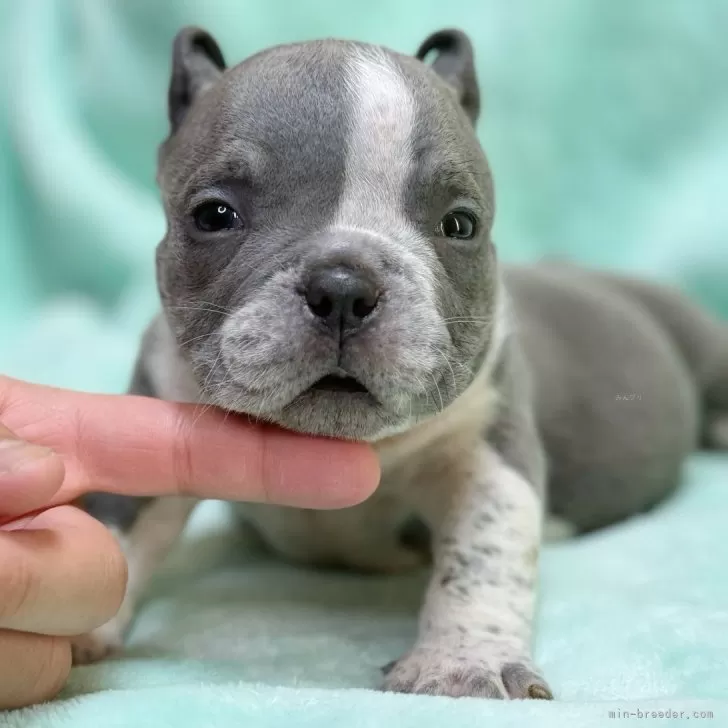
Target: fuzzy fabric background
[[606, 127]]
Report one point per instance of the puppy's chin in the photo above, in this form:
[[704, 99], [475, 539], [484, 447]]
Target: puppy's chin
[[338, 414]]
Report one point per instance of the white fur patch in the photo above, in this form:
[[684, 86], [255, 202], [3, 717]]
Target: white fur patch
[[509, 487], [497, 552], [379, 157], [169, 374], [379, 161]]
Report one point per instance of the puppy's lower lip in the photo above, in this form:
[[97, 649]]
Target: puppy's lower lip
[[334, 383]]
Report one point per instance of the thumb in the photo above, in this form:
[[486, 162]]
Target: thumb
[[29, 475]]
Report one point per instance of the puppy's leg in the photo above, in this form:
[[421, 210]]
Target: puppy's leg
[[146, 528], [475, 626], [486, 514]]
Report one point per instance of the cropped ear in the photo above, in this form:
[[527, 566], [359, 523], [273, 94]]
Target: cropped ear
[[197, 63], [455, 63]]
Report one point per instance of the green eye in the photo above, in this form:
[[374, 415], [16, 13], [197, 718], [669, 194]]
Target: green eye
[[215, 216], [458, 224]]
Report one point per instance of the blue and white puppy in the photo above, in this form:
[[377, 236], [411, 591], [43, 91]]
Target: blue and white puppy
[[328, 266]]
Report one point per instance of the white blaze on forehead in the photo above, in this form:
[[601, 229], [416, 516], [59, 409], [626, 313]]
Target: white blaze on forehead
[[379, 153]]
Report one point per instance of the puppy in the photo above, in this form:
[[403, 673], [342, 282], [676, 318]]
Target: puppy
[[328, 267]]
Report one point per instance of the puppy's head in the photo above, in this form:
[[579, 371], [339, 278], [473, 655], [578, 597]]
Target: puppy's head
[[327, 264]]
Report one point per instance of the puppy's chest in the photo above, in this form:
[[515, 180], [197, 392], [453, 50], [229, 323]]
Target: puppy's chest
[[364, 537], [370, 537]]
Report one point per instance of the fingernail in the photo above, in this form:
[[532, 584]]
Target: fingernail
[[16, 454]]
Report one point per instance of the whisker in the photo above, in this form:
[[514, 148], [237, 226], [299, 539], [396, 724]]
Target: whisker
[[195, 338], [452, 371], [439, 393], [207, 406], [202, 308], [211, 304], [464, 366], [468, 320]]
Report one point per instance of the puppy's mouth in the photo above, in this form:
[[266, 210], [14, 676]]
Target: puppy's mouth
[[336, 383]]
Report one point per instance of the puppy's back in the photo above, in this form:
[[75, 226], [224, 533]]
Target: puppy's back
[[616, 403]]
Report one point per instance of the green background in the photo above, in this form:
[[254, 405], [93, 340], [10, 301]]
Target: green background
[[605, 123]]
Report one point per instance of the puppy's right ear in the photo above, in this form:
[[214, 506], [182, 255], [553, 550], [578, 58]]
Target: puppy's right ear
[[197, 63]]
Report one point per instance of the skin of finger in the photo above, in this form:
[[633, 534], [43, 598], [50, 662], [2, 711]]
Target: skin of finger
[[33, 668], [7, 434], [152, 447], [61, 573], [30, 486]]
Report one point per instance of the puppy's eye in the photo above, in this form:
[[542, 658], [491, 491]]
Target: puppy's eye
[[457, 224], [215, 216]]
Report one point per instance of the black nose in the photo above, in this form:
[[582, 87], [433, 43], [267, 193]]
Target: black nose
[[341, 297]]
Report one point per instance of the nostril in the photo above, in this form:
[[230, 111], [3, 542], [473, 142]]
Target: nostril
[[320, 305], [362, 307]]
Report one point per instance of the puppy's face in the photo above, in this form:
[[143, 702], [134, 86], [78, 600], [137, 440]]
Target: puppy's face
[[327, 264]]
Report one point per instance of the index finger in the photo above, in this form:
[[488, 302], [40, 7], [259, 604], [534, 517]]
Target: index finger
[[141, 446]]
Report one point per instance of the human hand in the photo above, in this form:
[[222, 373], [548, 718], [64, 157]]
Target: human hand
[[61, 571]]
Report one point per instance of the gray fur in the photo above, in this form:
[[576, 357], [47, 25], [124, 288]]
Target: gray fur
[[141, 382], [616, 402], [489, 389], [513, 433]]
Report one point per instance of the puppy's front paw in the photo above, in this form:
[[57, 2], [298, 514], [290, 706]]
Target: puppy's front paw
[[96, 645], [485, 672]]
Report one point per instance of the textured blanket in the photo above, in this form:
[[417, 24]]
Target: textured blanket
[[605, 125]]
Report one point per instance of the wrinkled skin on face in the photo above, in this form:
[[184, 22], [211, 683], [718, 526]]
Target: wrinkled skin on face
[[323, 155]]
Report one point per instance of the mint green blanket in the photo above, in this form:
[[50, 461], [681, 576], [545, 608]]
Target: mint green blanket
[[606, 127]]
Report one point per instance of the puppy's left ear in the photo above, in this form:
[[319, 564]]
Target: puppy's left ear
[[454, 61], [197, 63]]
